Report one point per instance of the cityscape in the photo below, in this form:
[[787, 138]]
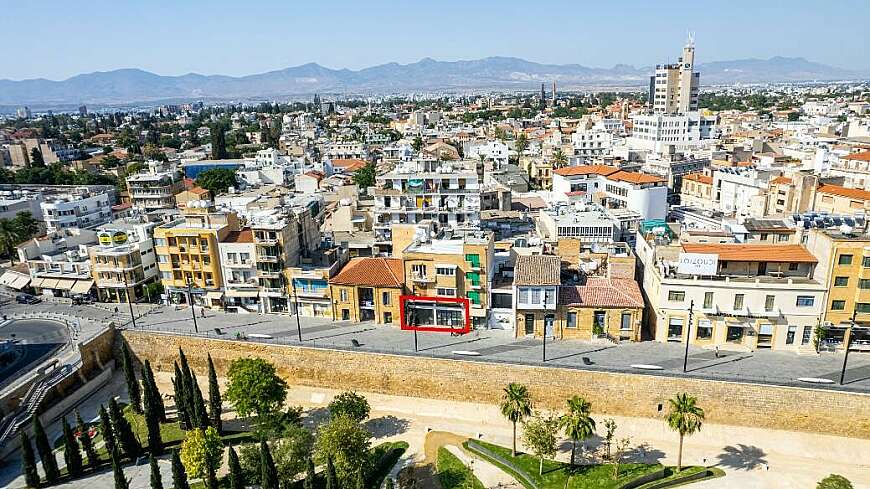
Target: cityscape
[[483, 272]]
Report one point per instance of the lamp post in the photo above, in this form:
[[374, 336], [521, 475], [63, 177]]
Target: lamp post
[[848, 344], [129, 303], [688, 335], [544, 350], [190, 301], [296, 309]]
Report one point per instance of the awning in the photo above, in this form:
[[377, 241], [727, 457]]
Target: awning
[[82, 286], [49, 283], [8, 278], [214, 294], [765, 328], [14, 280], [20, 282], [37, 283], [65, 284], [241, 293]]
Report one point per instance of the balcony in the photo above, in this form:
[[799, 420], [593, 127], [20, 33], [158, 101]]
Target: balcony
[[269, 273], [421, 278], [268, 258], [239, 264], [266, 240]]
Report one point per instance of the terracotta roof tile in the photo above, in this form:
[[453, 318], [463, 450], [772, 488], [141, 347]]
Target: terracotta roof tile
[[538, 270], [634, 177], [781, 181], [586, 170], [863, 156], [349, 165], [753, 252], [852, 193], [603, 292], [699, 177], [372, 272], [243, 236]]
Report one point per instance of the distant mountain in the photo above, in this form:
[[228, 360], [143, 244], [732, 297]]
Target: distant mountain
[[134, 85]]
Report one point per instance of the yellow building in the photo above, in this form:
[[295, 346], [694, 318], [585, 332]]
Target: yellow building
[[455, 265], [841, 200], [844, 265], [603, 308], [697, 191], [188, 256], [368, 289]]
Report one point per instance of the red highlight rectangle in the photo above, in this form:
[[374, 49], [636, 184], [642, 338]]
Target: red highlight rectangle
[[466, 305]]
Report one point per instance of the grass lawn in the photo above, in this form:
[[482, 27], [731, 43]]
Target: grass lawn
[[453, 474], [687, 471], [556, 474]]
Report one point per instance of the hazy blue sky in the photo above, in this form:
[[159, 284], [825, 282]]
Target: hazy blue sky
[[59, 38]]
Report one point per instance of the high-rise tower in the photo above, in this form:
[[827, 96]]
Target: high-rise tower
[[674, 87]]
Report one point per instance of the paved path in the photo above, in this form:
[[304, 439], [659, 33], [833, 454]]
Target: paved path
[[489, 475]]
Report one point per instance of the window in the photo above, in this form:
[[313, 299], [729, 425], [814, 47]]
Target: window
[[342, 294], [536, 296], [792, 267], [844, 260], [675, 328], [385, 298], [838, 305], [166, 275], [805, 301], [524, 296], [625, 323], [418, 269], [474, 296], [864, 283], [445, 292], [676, 296], [789, 337], [708, 300], [862, 307], [446, 271], [768, 302], [163, 259], [866, 262], [231, 258], [571, 320], [841, 281], [738, 301], [807, 335], [705, 329], [388, 318], [159, 241]]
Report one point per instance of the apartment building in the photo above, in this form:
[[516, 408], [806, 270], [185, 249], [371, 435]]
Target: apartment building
[[742, 191], [123, 261], [536, 293], [368, 289], [453, 265], [276, 246], [310, 292], [188, 254], [58, 262], [591, 140], [239, 272], [673, 89], [445, 192], [613, 188], [584, 223], [730, 295], [697, 191], [153, 189], [844, 266], [836, 199], [77, 207], [854, 168]]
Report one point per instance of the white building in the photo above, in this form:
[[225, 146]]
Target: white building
[[613, 188], [742, 192], [591, 141], [495, 151], [80, 207]]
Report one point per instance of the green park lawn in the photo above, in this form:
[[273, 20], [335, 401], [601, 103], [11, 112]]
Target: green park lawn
[[453, 474]]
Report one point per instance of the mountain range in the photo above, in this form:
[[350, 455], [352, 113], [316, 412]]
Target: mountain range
[[134, 85]]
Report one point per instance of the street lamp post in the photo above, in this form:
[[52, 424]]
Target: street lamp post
[[129, 303], [190, 300], [688, 335], [848, 344], [296, 308]]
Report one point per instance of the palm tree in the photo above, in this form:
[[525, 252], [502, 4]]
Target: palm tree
[[577, 422], [8, 238], [521, 143], [684, 417], [559, 158], [516, 404]]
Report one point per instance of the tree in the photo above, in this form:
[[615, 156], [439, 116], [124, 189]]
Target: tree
[[344, 442], [609, 433], [218, 143], [200, 415], [254, 387], [130, 376], [539, 434], [521, 143], [291, 452], [106, 430], [559, 158], [86, 442], [152, 416], [36, 158], [365, 176], [516, 405], [156, 478], [149, 383], [180, 404], [28, 461], [794, 116], [26, 226], [187, 388], [834, 481], [121, 482], [201, 451], [214, 398], [235, 469], [179, 476], [331, 477], [417, 144], [621, 447], [359, 480], [684, 417], [8, 238], [350, 404], [72, 454], [309, 475], [577, 422], [217, 180], [123, 432], [49, 463], [268, 473]]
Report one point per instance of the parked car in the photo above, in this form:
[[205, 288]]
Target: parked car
[[80, 299], [27, 299]]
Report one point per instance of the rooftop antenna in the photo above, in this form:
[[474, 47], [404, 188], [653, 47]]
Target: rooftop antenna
[[690, 39]]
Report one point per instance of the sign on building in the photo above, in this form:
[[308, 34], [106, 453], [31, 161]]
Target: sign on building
[[698, 264]]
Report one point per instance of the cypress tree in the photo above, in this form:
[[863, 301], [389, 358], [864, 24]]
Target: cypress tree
[[118, 471], [156, 478], [360, 480], [152, 421], [28, 462], [186, 385], [179, 476], [200, 417], [124, 433], [86, 442], [268, 473], [236, 480], [49, 463], [331, 478], [211, 476], [71, 452], [183, 413], [106, 430], [159, 408], [214, 398], [130, 376], [309, 475]]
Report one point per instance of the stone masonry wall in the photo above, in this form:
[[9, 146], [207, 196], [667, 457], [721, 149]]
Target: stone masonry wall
[[763, 406]]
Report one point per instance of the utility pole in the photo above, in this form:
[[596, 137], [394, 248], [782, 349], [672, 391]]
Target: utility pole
[[296, 307], [190, 301], [688, 335], [848, 343], [127, 293], [544, 349]]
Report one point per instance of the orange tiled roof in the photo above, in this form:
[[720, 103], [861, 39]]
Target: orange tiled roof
[[243, 236], [753, 252], [538, 270], [586, 170], [350, 164], [852, 193], [781, 181], [633, 177], [372, 272], [699, 177], [862, 156], [603, 292]]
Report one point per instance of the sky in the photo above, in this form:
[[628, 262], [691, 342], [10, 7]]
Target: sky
[[56, 39]]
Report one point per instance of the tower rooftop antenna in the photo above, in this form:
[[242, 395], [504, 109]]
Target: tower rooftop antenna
[[690, 39]]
